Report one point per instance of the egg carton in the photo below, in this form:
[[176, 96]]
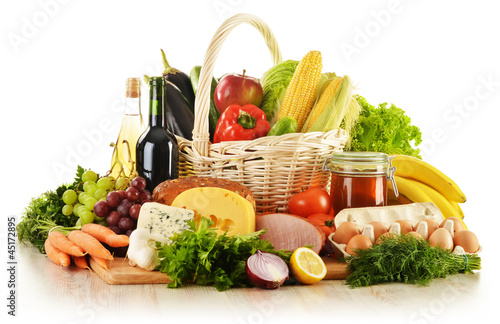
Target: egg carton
[[387, 216]]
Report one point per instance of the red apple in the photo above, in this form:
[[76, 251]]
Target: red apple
[[237, 89]]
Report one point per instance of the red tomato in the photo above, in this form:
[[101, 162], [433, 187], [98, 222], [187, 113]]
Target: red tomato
[[324, 222], [310, 201]]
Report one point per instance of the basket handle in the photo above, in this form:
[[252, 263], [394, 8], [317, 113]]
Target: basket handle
[[201, 135]]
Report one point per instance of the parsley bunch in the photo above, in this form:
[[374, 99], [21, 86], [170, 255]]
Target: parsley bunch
[[201, 256], [405, 259]]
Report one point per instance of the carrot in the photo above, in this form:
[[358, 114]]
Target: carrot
[[55, 255], [62, 243], [100, 262], [80, 261], [105, 235], [89, 244]]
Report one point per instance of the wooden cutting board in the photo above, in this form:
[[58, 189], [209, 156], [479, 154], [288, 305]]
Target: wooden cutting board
[[335, 270], [120, 273]]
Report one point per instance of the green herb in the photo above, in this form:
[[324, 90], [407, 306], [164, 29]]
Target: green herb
[[384, 129], [44, 212], [201, 256], [405, 259]]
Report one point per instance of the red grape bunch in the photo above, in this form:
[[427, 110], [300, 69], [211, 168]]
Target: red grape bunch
[[121, 207]]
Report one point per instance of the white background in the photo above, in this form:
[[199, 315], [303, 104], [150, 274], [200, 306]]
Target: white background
[[64, 63]]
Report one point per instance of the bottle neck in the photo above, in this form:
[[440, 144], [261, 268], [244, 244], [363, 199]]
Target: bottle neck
[[156, 117], [133, 106], [157, 103]]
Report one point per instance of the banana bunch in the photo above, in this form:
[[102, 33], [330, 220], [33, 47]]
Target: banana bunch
[[418, 181]]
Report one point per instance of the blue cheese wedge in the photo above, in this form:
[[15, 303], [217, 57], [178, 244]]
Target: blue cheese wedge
[[162, 219]]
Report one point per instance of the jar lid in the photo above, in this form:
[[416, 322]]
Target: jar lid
[[361, 163]]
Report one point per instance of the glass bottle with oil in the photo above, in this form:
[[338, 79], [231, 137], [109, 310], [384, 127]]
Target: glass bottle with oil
[[124, 155]]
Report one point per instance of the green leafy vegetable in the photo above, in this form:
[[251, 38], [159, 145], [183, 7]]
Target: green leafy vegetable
[[45, 212], [274, 84], [405, 259], [199, 255], [384, 129]]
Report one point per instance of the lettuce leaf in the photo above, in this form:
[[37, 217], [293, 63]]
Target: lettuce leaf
[[384, 129]]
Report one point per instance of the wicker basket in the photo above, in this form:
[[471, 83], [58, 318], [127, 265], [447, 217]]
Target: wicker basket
[[272, 167]]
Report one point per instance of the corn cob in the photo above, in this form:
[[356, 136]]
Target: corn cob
[[300, 94], [325, 98], [332, 106]]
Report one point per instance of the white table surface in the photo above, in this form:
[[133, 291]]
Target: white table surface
[[70, 295]]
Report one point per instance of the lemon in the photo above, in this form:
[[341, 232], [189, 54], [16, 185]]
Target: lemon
[[307, 266]]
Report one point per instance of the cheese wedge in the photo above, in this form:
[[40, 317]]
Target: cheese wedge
[[228, 210], [162, 219]]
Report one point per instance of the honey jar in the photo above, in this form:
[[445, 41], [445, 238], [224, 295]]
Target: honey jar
[[359, 179]]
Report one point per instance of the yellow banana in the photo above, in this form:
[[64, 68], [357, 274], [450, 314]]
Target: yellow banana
[[438, 199], [413, 168], [409, 190]]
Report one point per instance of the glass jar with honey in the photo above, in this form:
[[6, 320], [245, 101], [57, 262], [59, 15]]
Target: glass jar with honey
[[359, 179]]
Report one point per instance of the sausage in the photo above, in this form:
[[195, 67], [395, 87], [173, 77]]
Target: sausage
[[289, 232]]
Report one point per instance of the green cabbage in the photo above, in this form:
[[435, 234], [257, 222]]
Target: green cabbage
[[274, 84], [384, 129]]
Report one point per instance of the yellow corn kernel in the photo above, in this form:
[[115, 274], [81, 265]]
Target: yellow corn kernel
[[300, 94], [324, 100]]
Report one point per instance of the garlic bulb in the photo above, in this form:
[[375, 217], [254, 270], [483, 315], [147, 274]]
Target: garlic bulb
[[142, 248]]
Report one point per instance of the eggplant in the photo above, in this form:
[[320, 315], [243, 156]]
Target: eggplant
[[180, 79], [180, 118]]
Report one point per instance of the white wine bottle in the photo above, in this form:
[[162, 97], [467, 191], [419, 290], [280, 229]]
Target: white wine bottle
[[123, 162]]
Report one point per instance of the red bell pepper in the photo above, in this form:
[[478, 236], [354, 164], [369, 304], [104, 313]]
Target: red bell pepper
[[239, 123]]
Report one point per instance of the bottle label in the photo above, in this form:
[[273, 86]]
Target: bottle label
[[155, 108]]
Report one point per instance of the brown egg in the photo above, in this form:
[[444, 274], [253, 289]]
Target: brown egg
[[441, 238], [405, 226], [467, 240], [345, 232], [416, 234], [432, 225], [358, 241], [457, 224], [383, 236], [378, 228]]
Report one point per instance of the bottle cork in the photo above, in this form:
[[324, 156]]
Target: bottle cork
[[133, 88]]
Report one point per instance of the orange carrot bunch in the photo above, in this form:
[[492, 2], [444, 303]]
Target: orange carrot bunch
[[61, 249]]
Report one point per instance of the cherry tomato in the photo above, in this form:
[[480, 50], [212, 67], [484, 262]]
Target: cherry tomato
[[324, 222], [310, 201]]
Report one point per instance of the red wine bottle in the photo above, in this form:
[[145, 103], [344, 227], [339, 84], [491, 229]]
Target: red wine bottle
[[157, 151]]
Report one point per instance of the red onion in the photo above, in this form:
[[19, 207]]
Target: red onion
[[266, 270]]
